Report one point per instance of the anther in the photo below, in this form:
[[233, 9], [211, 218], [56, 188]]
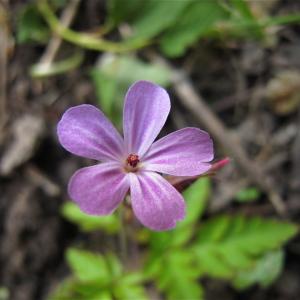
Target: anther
[[132, 160]]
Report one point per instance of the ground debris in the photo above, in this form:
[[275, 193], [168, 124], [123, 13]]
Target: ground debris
[[283, 92], [26, 132]]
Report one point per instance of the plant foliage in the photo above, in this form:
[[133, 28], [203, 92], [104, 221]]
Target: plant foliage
[[86, 223], [96, 276], [242, 250], [113, 76]]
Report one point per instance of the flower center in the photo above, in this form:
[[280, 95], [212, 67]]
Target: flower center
[[132, 160]]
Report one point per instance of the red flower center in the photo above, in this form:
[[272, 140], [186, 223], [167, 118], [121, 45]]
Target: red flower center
[[132, 160]]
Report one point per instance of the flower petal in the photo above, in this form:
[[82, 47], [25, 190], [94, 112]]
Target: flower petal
[[185, 152], [155, 202], [85, 131], [146, 109], [99, 189]]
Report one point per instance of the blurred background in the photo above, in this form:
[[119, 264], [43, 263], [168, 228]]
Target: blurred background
[[232, 68]]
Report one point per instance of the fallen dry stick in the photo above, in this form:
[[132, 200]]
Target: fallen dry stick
[[202, 112], [3, 64], [55, 42]]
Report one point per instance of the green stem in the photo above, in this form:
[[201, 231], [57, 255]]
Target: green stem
[[85, 40], [49, 69]]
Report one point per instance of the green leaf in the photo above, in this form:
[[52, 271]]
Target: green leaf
[[88, 267], [266, 270], [243, 22], [121, 11], [153, 264], [178, 277], [114, 265], [157, 16], [226, 245], [197, 21], [31, 26], [101, 295], [116, 73], [242, 7], [160, 241], [146, 18], [248, 195], [99, 277], [209, 262], [73, 289], [196, 197], [88, 223], [130, 287]]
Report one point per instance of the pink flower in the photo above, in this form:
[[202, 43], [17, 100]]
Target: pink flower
[[135, 162]]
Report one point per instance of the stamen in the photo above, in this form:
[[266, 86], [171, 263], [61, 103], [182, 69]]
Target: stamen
[[132, 160]]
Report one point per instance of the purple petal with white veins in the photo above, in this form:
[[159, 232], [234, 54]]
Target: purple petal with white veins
[[156, 203], [146, 109], [185, 152], [85, 131], [99, 189]]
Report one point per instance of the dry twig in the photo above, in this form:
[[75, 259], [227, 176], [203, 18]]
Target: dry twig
[[3, 64], [55, 42]]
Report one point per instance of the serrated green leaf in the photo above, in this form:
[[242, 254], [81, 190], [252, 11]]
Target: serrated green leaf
[[210, 262], [214, 229], [114, 265], [71, 212], [235, 258], [124, 292], [265, 271], [178, 277], [101, 295], [160, 241], [196, 198], [114, 75], [197, 21], [131, 287], [88, 267], [263, 235], [133, 278], [226, 245], [99, 277], [153, 265], [31, 27], [71, 288]]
